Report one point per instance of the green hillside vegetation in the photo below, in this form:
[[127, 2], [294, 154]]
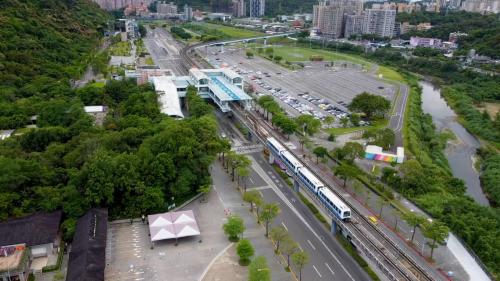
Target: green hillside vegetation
[[138, 162], [483, 30], [42, 45]]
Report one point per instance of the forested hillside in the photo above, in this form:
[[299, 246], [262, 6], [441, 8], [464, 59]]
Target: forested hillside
[[138, 162], [483, 30], [43, 43], [273, 7]]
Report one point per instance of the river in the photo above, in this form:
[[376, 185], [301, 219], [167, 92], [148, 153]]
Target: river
[[460, 152]]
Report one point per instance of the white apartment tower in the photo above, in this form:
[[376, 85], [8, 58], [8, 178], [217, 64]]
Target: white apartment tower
[[239, 8], [328, 16], [380, 22], [257, 8]]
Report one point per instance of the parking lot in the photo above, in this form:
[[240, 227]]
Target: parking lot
[[129, 256], [318, 89]]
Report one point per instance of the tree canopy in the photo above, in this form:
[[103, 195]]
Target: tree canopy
[[372, 105]]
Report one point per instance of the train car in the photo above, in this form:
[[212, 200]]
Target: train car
[[290, 161], [309, 180], [334, 204], [275, 146]]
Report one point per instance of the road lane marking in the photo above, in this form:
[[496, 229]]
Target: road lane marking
[[252, 181], [312, 246], [280, 194], [286, 228], [329, 268], [300, 247], [317, 271]]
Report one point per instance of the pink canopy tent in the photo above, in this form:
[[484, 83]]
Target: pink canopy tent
[[172, 225]]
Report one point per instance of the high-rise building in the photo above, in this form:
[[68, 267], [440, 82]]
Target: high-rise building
[[188, 12], [239, 8], [481, 6], [118, 4], [353, 25], [379, 22], [257, 8], [164, 8], [328, 16]]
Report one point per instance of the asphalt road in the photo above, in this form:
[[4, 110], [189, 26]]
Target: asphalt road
[[165, 50], [396, 120], [328, 260]]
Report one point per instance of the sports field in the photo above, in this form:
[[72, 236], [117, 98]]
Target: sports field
[[291, 54], [233, 32]]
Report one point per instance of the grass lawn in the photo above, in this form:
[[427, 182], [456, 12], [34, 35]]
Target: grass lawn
[[233, 32], [291, 53], [98, 84], [120, 49], [341, 131], [390, 74]]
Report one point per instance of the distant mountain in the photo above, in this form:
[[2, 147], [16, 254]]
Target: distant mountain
[[273, 7]]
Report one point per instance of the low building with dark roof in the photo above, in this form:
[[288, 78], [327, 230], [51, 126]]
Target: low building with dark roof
[[87, 259], [36, 238], [40, 232]]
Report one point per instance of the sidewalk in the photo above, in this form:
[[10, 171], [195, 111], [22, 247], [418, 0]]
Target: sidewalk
[[232, 201]]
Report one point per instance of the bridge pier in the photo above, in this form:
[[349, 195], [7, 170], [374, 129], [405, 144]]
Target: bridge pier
[[265, 42], [334, 227], [206, 50], [221, 49], [296, 185], [271, 158]]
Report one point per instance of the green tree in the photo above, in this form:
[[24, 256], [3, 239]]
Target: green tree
[[381, 203], [278, 234], [320, 152], [351, 151], [304, 140], [269, 51], [234, 227], [354, 118], [414, 220], [329, 120], [205, 189], [288, 248], [371, 105], [259, 270], [345, 171], [243, 172], [382, 137], [300, 259], [277, 58], [252, 197], [268, 214], [249, 54], [437, 232], [344, 121], [245, 250], [308, 124]]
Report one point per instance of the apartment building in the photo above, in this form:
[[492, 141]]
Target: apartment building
[[257, 8], [380, 22]]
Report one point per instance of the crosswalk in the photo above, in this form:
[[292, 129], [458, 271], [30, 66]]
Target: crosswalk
[[246, 149]]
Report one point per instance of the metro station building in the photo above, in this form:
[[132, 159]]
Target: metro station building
[[222, 86]]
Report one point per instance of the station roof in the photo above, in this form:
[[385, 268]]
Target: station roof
[[172, 225], [226, 91], [168, 97], [198, 74]]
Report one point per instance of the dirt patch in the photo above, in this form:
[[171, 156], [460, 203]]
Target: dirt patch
[[491, 107]]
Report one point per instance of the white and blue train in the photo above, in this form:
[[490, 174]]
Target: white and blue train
[[331, 201]]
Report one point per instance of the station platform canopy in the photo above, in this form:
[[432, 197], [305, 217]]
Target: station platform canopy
[[172, 225]]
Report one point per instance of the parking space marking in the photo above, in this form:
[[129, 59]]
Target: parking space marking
[[329, 268], [319, 274], [312, 246], [286, 228]]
